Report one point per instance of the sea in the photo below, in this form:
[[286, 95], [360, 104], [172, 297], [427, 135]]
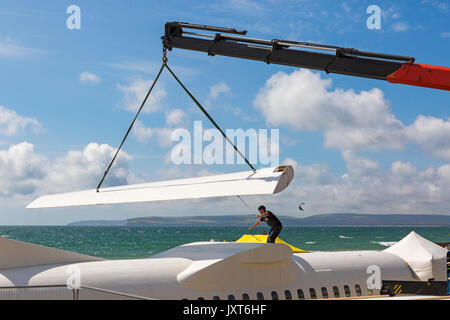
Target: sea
[[141, 242]]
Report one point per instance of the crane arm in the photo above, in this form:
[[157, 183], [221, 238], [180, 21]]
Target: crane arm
[[331, 59]]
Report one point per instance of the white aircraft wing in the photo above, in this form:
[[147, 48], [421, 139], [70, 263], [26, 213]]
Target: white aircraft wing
[[263, 181]]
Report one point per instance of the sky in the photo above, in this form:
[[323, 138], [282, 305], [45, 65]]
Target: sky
[[67, 96]]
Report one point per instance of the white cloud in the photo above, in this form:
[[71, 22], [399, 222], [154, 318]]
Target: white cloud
[[403, 169], [135, 92], [24, 172], [89, 78], [432, 134], [218, 89], [20, 170], [144, 134], [445, 35], [164, 135], [367, 188], [348, 120], [9, 48], [400, 27], [141, 132], [11, 123], [364, 188], [80, 169], [175, 117], [391, 12]]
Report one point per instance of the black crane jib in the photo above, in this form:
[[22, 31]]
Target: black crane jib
[[331, 59]]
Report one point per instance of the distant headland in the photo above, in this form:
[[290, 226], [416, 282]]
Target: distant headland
[[337, 219]]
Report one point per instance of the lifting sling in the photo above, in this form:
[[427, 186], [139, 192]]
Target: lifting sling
[[164, 65]]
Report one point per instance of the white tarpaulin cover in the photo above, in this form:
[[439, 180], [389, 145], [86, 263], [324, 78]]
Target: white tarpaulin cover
[[263, 181], [427, 259]]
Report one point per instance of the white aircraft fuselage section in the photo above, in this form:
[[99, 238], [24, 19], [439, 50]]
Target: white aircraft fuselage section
[[215, 269]]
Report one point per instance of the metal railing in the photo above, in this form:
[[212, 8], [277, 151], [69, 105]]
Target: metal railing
[[90, 291], [48, 292], [62, 292]]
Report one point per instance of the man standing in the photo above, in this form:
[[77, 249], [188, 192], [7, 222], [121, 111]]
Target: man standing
[[271, 220]]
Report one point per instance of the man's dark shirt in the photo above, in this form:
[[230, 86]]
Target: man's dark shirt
[[271, 220]]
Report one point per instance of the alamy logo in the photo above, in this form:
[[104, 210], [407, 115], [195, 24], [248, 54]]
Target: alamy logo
[[374, 280], [74, 20], [374, 20], [190, 149]]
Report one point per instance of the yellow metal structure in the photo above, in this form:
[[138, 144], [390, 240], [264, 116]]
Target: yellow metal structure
[[262, 238]]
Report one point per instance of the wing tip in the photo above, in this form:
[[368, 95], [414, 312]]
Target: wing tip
[[32, 205], [286, 177]]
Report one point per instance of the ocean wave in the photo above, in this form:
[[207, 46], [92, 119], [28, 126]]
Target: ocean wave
[[344, 237], [385, 243], [4, 236], [310, 242]]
